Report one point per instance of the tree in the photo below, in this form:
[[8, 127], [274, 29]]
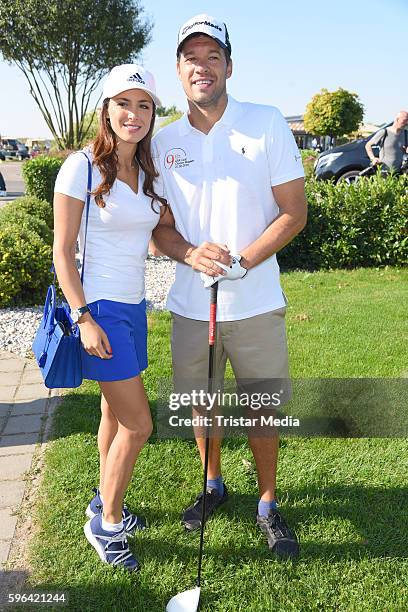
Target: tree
[[163, 111], [92, 119], [333, 113], [64, 48]]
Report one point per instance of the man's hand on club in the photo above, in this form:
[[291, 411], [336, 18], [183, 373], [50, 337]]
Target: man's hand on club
[[209, 258], [232, 272]]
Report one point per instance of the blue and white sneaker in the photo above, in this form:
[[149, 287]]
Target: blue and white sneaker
[[112, 547], [132, 522]]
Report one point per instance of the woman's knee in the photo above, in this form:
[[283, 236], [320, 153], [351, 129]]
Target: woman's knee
[[139, 434]]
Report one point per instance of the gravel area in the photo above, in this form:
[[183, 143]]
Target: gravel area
[[19, 325]]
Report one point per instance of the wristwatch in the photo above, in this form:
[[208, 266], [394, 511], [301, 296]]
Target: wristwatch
[[78, 312]]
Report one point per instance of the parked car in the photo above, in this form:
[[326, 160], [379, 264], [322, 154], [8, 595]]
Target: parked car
[[35, 151], [345, 162], [13, 149], [9, 147], [22, 152]]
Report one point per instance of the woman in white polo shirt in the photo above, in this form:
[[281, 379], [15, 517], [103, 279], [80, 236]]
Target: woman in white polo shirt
[[110, 307]]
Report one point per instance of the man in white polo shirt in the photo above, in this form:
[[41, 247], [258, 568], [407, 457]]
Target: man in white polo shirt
[[233, 177]]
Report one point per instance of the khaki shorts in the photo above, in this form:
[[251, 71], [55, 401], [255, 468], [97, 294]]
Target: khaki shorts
[[256, 347]]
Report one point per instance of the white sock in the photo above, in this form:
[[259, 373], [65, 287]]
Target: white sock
[[100, 495], [116, 527]]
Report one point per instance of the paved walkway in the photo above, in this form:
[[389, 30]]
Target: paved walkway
[[25, 405]]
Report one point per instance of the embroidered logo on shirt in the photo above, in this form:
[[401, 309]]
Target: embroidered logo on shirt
[[176, 158], [136, 78], [243, 150]]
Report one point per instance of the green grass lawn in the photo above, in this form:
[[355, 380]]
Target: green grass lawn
[[347, 498]]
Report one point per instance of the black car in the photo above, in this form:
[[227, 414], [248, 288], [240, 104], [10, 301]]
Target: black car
[[345, 162], [22, 152], [13, 149]]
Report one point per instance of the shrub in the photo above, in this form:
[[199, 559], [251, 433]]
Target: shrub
[[362, 224], [39, 176], [35, 207], [25, 260], [308, 158], [20, 218]]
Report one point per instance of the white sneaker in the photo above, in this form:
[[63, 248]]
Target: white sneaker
[[111, 547]]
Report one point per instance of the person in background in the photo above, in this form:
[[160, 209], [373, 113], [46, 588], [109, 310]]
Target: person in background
[[2, 185], [393, 144]]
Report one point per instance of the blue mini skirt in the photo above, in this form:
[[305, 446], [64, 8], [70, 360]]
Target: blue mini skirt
[[126, 328]]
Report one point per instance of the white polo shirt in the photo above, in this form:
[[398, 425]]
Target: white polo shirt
[[219, 188], [118, 234]]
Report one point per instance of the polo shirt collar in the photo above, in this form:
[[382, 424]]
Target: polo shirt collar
[[232, 111]]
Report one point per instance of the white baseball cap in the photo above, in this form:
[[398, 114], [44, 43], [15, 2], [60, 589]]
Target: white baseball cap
[[130, 76], [205, 24]]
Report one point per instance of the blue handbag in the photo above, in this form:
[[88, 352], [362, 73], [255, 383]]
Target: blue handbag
[[57, 344]]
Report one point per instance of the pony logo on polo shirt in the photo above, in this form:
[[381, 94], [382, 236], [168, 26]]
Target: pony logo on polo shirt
[[136, 78], [176, 158]]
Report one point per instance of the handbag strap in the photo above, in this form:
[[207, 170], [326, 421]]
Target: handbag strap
[[88, 200]]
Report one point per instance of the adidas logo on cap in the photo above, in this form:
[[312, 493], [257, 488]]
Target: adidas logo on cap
[[129, 76], [136, 78]]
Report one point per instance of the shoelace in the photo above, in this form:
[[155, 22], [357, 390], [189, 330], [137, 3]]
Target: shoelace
[[121, 555], [210, 493], [119, 537], [277, 523]]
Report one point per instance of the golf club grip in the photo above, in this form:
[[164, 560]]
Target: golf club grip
[[213, 314]]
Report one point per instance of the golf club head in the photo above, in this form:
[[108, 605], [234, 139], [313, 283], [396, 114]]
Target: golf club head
[[187, 601]]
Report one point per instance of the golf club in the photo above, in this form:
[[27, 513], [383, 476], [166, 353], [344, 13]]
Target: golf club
[[188, 601]]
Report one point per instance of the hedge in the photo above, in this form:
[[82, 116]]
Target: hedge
[[35, 207], [349, 226], [25, 261], [25, 251], [362, 224], [39, 176], [12, 215]]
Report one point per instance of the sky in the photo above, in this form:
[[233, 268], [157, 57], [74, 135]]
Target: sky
[[283, 53]]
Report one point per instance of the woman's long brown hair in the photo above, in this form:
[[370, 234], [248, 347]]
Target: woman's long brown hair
[[106, 159]]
